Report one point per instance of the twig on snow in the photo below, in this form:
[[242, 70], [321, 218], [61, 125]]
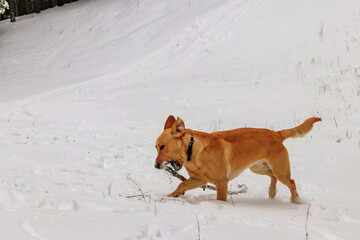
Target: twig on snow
[[155, 209], [109, 189], [142, 195], [307, 217], [198, 227], [175, 200]]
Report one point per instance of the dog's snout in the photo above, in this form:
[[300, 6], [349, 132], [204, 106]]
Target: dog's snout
[[157, 165]]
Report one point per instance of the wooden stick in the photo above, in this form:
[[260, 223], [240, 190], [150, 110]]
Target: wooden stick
[[242, 187]]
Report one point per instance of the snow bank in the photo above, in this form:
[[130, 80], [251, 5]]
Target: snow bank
[[85, 90]]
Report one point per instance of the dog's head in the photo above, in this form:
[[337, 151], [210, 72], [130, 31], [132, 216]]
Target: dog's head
[[169, 144]]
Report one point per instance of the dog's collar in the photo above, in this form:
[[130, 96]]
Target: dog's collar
[[190, 148]]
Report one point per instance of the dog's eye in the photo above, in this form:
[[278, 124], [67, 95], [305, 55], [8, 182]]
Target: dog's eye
[[162, 147]]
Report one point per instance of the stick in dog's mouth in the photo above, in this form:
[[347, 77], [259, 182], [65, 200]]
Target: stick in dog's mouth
[[175, 164]]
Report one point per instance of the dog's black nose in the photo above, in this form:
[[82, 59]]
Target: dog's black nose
[[157, 165]]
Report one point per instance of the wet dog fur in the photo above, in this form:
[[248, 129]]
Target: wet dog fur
[[219, 157]]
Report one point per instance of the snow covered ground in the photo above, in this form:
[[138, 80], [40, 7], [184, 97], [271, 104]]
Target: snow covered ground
[[86, 88]]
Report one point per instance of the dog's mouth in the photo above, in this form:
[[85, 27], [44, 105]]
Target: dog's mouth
[[175, 164]]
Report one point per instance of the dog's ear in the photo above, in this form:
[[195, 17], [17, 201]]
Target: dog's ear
[[178, 128], [169, 122]]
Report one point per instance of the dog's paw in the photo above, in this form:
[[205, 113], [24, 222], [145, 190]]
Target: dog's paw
[[272, 193], [175, 194], [298, 200]]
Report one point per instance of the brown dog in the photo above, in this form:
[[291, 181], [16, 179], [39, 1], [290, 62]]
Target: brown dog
[[221, 156]]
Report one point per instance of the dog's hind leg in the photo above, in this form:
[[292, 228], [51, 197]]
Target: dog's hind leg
[[189, 184], [263, 168], [280, 166]]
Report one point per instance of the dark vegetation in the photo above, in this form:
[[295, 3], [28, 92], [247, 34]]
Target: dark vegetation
[[23, 7]]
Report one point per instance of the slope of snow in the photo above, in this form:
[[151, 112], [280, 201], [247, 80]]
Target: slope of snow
[[86, 88]]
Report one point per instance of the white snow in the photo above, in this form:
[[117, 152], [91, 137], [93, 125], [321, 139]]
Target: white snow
[[85, 90]]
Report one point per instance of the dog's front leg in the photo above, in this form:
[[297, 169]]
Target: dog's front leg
[[221, 188], [189, 184]]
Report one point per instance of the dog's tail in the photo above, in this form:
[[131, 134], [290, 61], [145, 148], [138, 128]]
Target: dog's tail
[[300, 130]]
